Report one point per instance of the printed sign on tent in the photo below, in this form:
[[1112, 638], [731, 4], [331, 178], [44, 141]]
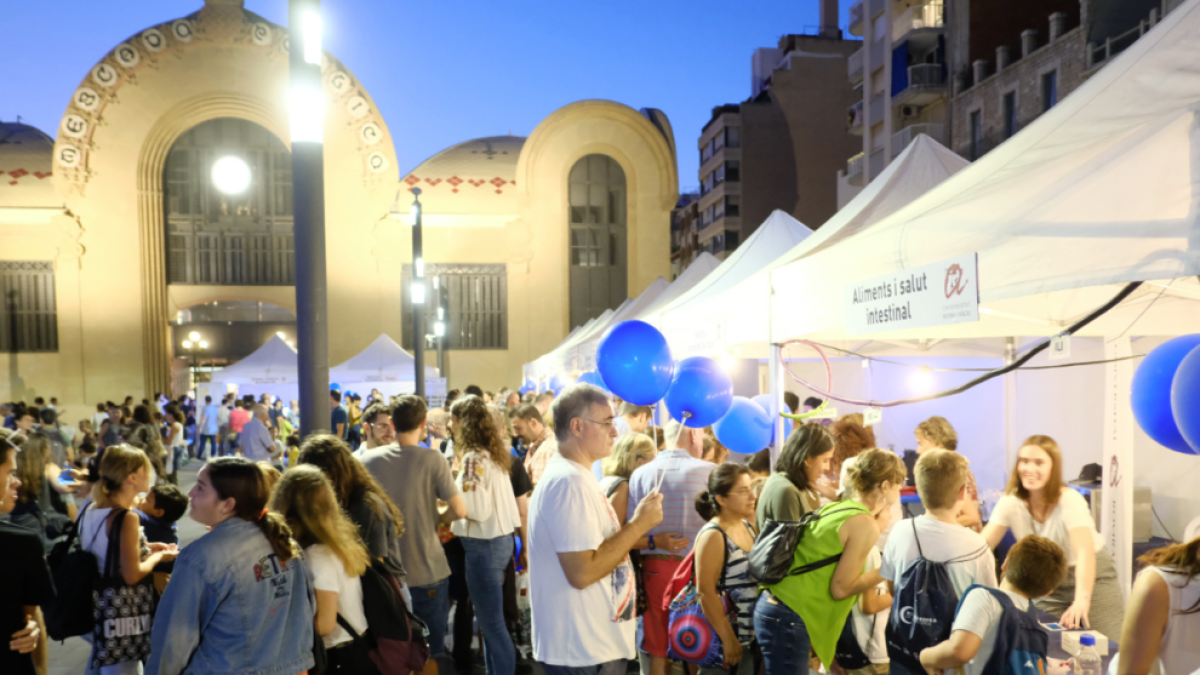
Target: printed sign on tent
[[943, 293]]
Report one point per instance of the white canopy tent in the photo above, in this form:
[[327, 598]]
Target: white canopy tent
[[383, 365], [271, 369], [1100, 191], [695, 322]]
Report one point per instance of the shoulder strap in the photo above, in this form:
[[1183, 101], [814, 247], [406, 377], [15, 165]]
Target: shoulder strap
[[112, 560], [346, 625], [78, 525], [724, 550], [616, 484], [916, 538]]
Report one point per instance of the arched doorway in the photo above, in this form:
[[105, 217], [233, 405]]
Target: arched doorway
[[597, 241], [227, 198]]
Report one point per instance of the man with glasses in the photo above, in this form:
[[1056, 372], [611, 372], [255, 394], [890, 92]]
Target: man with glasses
[[678, 475], [583, 590], [377, 423]]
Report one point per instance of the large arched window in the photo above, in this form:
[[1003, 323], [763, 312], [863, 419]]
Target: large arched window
[[597, 238], [228, 200]]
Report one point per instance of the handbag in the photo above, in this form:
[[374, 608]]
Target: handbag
[[123, 613], [690, 636]]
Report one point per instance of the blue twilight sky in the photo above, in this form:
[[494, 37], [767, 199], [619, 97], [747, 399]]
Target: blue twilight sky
[[447, 71]]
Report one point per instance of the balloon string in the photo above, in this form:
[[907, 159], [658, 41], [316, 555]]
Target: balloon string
[[662, 472]]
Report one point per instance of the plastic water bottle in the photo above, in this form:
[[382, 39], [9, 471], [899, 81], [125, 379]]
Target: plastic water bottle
[[1087, 659]]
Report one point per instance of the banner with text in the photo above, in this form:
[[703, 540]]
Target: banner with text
[[1116, 499], [932, 295]]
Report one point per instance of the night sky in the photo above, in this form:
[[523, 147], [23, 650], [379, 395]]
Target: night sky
[[447, 71]]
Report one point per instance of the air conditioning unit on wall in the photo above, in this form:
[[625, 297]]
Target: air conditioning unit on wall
[[909, 111]]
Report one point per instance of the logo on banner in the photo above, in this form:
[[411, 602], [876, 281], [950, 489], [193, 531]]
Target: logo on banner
[[956, 281], [1114, 478]]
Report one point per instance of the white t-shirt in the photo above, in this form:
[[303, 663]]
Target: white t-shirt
[[870, 629], [329, 574], [572, 627], [1070, 513], [1180, 646], [941, 542], [980, 614]]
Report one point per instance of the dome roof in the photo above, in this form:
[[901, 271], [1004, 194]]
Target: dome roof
[[477, 177], [25, 165]]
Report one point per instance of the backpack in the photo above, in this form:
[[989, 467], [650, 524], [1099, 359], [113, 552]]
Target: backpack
[[923, 609], [849, 655], [774, 550], [397, 638], [76, 573], [1021, 644]]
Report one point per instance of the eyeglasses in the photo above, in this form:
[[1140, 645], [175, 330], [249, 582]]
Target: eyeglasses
[[606, 425], [382, 426], [741, 493]]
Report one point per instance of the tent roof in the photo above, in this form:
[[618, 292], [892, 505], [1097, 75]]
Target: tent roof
[[382, 361], [700, 268], [1101, 190], [272, 363]]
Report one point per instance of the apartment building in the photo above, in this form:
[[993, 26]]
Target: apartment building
[[971, 73], [1011, 63], [780, 148], [899, 74], [685, 232]]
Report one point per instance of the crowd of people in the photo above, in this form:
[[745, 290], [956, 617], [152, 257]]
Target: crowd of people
[[569, 529]]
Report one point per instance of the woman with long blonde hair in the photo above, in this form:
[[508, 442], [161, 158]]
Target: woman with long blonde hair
[[486, 531], [1038, 502], [337, 557]]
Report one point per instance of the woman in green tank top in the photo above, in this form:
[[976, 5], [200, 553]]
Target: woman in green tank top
[[809, 610]]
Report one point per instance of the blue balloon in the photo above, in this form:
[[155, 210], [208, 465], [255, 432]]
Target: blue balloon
[[634, 361], [334, 386], [1185, 400], [764, 400], [559, 382], [746, 428], [700, 393], [593, 378], [1151, 399]]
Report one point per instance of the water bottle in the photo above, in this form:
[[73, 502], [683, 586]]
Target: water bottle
[[1087, 659]]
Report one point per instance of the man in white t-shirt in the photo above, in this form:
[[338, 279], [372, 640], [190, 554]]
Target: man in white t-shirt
[[1034, 568], [583, 592], [942, 484]]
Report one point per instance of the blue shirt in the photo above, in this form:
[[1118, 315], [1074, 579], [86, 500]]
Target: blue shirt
[[256, 441], [212, 413]]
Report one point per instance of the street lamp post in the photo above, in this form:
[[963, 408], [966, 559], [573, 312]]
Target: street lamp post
[[307, 113], [192, 344], [439, 326], [418, 296]]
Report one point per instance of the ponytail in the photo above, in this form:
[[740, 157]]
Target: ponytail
[[706, 506], [240, 479], [278, 535]]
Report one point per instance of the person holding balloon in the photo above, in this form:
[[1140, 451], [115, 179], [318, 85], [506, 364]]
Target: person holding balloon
[[1037, 503]]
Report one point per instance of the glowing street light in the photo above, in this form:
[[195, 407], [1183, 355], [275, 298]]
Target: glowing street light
[[231, 175]]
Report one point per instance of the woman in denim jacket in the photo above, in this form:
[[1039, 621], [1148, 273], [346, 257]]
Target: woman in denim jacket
[[240, 601]]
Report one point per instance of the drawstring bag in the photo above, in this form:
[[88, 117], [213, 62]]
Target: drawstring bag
[[124, 613], [690, 637]]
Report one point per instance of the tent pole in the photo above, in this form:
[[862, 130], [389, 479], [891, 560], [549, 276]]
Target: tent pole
[[775, 374]]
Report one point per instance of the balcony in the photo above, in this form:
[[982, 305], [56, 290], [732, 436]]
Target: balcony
[[922, 23], [854, 67], [902, 138], [854, 119], [854, 170], [875, 164], [877, 7], [857, 10], [925, 83]]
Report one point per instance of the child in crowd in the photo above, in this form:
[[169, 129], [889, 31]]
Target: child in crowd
[[936, 536], [163, 506], [869, 616], [1034, 568]]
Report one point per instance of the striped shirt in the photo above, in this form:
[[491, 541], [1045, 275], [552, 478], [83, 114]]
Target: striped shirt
[[743, 589], [683, 477]]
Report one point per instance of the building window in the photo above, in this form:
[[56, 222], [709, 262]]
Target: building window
[[1049, 90], [1010, 114], [733, 205], [733, 171], [719, 175], [29, 311], [474, 302], [976, 134], [733, 137], [215, 238], [596, 198]]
